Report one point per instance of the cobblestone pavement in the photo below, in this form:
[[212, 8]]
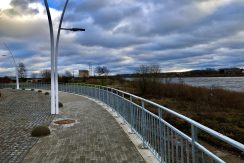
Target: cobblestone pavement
[[20, 111], [94, 137]]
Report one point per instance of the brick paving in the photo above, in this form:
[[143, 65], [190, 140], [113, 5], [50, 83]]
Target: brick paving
[[95, 137], [20, 111]]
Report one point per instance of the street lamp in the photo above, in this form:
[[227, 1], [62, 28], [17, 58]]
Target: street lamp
[[74, 29], [16, 66], [54, 56]]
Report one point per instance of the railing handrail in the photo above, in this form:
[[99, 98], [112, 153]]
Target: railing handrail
[[194, 123], [208, 130]]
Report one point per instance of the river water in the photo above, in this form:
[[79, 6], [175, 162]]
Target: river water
[[229, 83]]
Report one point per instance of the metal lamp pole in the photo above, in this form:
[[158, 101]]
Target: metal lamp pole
[[16, 66], [53, 108], [54, 57]]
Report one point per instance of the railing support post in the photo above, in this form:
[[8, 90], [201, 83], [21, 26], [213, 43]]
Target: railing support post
[[161, 129], [99, 93], [123, 108], [143, 125], [131, 116], [107, 96], [194, 139], [116, 106]]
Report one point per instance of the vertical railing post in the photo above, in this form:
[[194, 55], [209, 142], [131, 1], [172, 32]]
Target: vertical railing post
[[131, 115], [123, 108], [99, 93], [143, 124], [96, 92], [112, 97], [194, 139], [84, 89], [73, 88], [102, 94], [89, 90], [161, 129], [93, 91], [116, 102], [80, 89], [107, 96]]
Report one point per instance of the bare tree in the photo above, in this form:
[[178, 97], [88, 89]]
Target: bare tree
[[67, 74], [154, 70], [102, 71], [148, 80], [66, 77], [46, 75], [22, 71]]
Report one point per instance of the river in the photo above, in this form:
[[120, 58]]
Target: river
[[229, 83]]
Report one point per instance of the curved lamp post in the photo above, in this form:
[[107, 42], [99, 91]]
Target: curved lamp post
[[53, 107], [15, 64], [54, 56]]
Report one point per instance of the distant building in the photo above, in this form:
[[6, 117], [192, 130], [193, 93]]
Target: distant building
[[83, 73]]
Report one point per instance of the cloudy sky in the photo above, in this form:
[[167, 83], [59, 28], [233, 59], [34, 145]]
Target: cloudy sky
[[178, 35]]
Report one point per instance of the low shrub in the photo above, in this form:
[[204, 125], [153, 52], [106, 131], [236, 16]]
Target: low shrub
[[32, 89], [40, 131], [39, 91], [46, 93], [23, 88], [60, 104]]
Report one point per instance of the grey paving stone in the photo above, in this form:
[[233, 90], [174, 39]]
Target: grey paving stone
[[20, 111], [95, 137]]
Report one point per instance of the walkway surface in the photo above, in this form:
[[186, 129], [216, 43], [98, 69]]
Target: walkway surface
[[94, 137], [20, 111]]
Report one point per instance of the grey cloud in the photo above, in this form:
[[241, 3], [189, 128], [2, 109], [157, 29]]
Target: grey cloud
[[98, 37], [91, 6], [21, 4], [172, 33], [20, 8]]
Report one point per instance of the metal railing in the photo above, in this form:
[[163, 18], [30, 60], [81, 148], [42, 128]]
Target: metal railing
[[167, 142]]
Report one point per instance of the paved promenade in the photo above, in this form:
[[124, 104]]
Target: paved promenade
[[20, 111], [94, 137]]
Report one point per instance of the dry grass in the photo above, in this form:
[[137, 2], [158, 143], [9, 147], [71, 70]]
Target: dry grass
[[216, 108]]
